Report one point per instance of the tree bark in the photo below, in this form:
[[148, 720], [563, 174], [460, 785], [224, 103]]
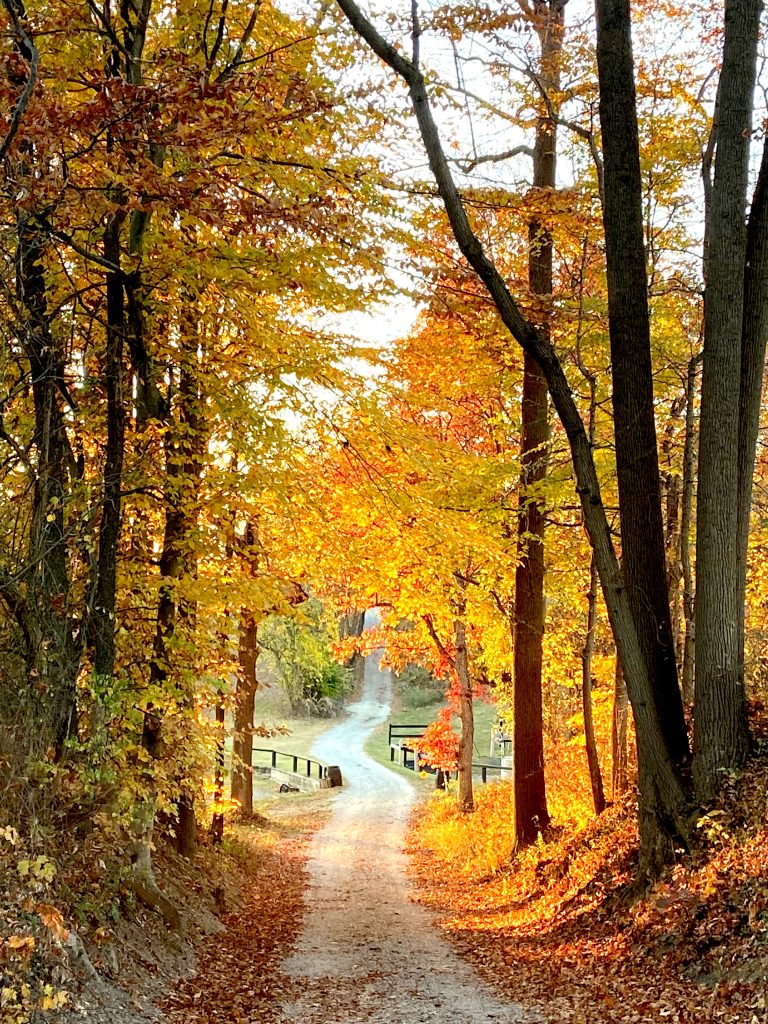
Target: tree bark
[[466, 714], [531, 813], [753, 343], [620, 765], [686, 511], [245, 700], [637, 462], [103, 618], [721, 738], [54, 649], [593, 761], [217, 819]]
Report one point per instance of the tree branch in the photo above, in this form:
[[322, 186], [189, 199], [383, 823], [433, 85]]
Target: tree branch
[[29, 51], [438, 642], [469, 165]]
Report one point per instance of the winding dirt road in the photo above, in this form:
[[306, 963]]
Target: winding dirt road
[[366, 952]]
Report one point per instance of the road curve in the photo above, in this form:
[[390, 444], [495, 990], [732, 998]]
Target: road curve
[[366, 952]]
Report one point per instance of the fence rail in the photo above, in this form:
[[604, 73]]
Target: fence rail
[[403, 731], [309, 763]]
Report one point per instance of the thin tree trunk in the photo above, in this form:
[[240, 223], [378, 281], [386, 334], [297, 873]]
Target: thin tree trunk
[[245, 700], [531, 813], [672, 487], [466, 713], [105, 601], [620, 770], [352, 624], [217, 820], [595, 776], [689, 473], [721, 732]]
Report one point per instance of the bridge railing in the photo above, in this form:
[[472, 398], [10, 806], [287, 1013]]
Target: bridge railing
[[279, 759]]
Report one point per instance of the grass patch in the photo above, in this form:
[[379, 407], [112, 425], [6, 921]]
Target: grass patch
[[411, 707]]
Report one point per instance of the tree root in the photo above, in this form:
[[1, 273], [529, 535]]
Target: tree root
[[147, 892]]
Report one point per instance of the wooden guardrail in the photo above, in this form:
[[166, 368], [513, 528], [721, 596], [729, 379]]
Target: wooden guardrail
[[399, 731], [285, 768]]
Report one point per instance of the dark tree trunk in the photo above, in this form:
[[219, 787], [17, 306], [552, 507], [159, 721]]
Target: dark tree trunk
[[186, 440], [721, 731], [109, 529], [352, 624], [593, 762], [245, 700], [637, 464], [217, 820], [672, 491], [753, 341], [54, 648], [466, 714], [620, 765], [531, 813]]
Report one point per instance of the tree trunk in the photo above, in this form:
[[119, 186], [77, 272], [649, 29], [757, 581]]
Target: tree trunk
[[217, 819], [637, 463], [689, 475], [531, 813], [54, 647], [466, 713], [672, 488], [185, 444], [103, 622], [245, 700], [620, 766], [721, 732], [753, 340], [352, 624], [595, 777]]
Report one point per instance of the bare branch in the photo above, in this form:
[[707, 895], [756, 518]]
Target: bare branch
[[491, 158]]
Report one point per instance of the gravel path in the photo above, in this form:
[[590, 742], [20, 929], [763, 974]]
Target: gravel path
[[366, 952]]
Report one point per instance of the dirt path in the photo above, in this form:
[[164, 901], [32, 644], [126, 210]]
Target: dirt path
[[366, 953]]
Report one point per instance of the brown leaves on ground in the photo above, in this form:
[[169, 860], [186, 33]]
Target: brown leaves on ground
[[558, 929], [238, 979]]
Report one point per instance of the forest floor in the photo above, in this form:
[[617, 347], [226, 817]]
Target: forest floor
[[310, 915], [561, 928]]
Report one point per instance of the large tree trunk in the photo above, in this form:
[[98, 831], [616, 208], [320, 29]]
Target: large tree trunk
[[637, 463], [753, 341], [593, 761], [721, 732], [531, 813], [53, 647]]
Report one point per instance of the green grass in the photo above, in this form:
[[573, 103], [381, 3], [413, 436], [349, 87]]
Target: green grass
[[413, 710]]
